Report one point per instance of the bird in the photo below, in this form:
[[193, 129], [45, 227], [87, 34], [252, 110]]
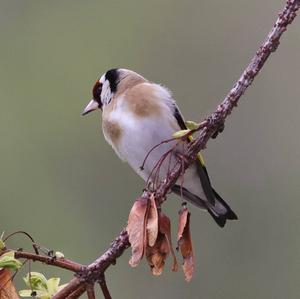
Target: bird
[[138, 117]]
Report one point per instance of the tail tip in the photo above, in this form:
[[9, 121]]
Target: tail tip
[[230, 215], [221, 219]]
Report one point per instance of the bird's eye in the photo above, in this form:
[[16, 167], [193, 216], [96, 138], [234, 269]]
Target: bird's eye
[[97, 92]]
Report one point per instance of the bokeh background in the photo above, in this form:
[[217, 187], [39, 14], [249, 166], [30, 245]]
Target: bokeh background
[[62, 183]]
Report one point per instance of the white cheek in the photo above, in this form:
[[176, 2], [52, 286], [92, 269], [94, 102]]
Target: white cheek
[[106, 94]]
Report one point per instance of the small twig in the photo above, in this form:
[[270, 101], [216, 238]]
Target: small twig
[[154, 174], [104, 288], [29, 275], [76, 294], [27, 235], [152, 149], [90, 291], [61, 262], [19, 232], [43, 249]]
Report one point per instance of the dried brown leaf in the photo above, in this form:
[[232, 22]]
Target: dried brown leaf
[[152, 222], [7, 288], [183, 213], [158, 254], [136, 229], [184, 241], [165, 228]]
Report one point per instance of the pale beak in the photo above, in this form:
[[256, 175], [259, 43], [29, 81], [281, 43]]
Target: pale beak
[[91, 106]]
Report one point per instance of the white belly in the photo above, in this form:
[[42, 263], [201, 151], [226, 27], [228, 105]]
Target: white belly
[[139, 136]]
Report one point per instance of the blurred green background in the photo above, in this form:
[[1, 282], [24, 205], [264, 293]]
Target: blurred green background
[[62, 183]]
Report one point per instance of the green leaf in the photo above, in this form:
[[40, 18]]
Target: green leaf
[[8, 260], [191, 125], [38, 294], [2, 244], [180, 134], [52, 285], [36, 281], [25, 293]]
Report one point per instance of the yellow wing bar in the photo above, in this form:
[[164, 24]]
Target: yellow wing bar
[[200, 157]]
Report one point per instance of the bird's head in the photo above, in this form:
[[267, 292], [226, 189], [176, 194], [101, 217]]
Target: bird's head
[[114, 81]]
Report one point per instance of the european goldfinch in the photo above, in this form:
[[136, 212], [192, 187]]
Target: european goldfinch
[[137, 116]]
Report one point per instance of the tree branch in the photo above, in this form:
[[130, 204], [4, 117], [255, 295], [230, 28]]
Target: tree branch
[[90, 291], [85, 276], [72, 289], [94, 272], [61, 262], [77, 293], [104, 288]]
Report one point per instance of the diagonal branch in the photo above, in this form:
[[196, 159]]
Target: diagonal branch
[[77, 293], [95, 271]]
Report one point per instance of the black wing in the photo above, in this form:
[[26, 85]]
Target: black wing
[[179, 118], [201, 169]]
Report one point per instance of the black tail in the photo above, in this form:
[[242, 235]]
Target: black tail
[[221, 217], [220, 211]]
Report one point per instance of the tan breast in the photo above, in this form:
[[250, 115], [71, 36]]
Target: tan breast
[[111, 129], [141, 100]]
